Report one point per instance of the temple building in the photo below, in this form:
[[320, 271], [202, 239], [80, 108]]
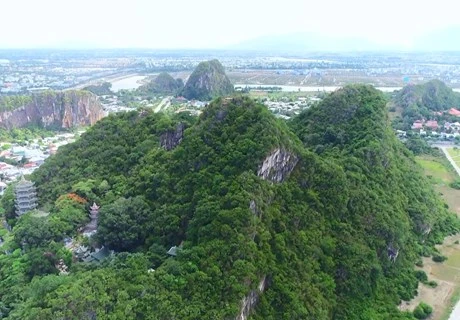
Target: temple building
[[26, 197], [91, 227]]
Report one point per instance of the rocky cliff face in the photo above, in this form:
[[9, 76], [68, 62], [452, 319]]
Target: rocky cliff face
[[250, 301], [278, 165], [169, 140], [55, 110]]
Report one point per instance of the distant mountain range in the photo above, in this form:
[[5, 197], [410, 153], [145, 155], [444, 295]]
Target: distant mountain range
[[440, 40]]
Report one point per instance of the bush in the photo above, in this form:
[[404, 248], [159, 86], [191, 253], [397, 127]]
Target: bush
[[455, 184], [456, 242], [422, 311], [421, 275], [432, 284], [439, 258]]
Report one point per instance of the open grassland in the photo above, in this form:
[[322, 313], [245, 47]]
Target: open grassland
[[437, 170]]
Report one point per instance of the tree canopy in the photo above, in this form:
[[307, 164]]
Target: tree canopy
[[332, 231]]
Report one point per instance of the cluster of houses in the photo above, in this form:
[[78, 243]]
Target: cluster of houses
[[29, 156], [112, 104], [432, 128], [285, 108]]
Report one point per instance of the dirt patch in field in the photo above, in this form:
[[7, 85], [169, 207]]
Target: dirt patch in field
[[447, 274]]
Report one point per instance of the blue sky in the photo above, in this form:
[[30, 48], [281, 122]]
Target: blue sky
[[214, 23]]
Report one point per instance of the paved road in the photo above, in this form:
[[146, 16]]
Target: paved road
[[455, 315], [452, 162]]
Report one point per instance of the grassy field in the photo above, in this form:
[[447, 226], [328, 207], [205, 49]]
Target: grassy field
[[437, 169], [444, 297], [455, 154]]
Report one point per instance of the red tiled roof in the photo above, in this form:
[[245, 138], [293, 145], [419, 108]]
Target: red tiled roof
[[30, 165], [431, 124]]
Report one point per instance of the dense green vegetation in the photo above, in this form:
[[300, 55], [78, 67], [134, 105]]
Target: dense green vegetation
[[9, 103], [21, 135], [207, 82], [318, 240], [163, 84], [423, 311], [422, 101], [102, 89]]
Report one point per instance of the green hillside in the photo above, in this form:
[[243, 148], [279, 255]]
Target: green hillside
[[272, 220], [208, 81], [164, 83], [421, 100]]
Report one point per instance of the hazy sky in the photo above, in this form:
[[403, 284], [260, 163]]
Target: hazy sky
[[214, 23]]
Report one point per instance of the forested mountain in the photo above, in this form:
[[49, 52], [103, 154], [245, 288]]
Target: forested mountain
[[207, 81], [421, 100], [164, 83], [321, 218], [101, 89]]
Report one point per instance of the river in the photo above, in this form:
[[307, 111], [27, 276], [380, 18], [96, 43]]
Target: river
[[315, 88], [127, 83]]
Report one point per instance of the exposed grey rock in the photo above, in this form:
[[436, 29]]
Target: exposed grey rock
[[253, 206], [221, 115], [55, 109], [278, 165], [392, 253], [248, 303], [171, 139]]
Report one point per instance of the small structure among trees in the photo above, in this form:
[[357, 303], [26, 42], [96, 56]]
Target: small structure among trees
[[91, 227], [392, 253], [26, 197]]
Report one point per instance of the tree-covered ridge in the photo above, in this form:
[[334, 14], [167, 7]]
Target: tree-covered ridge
[[421, 100], [104, 88], [109, 151], [164, 83], [9, 103], [315, 244], [208, 81], [385, 205]]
